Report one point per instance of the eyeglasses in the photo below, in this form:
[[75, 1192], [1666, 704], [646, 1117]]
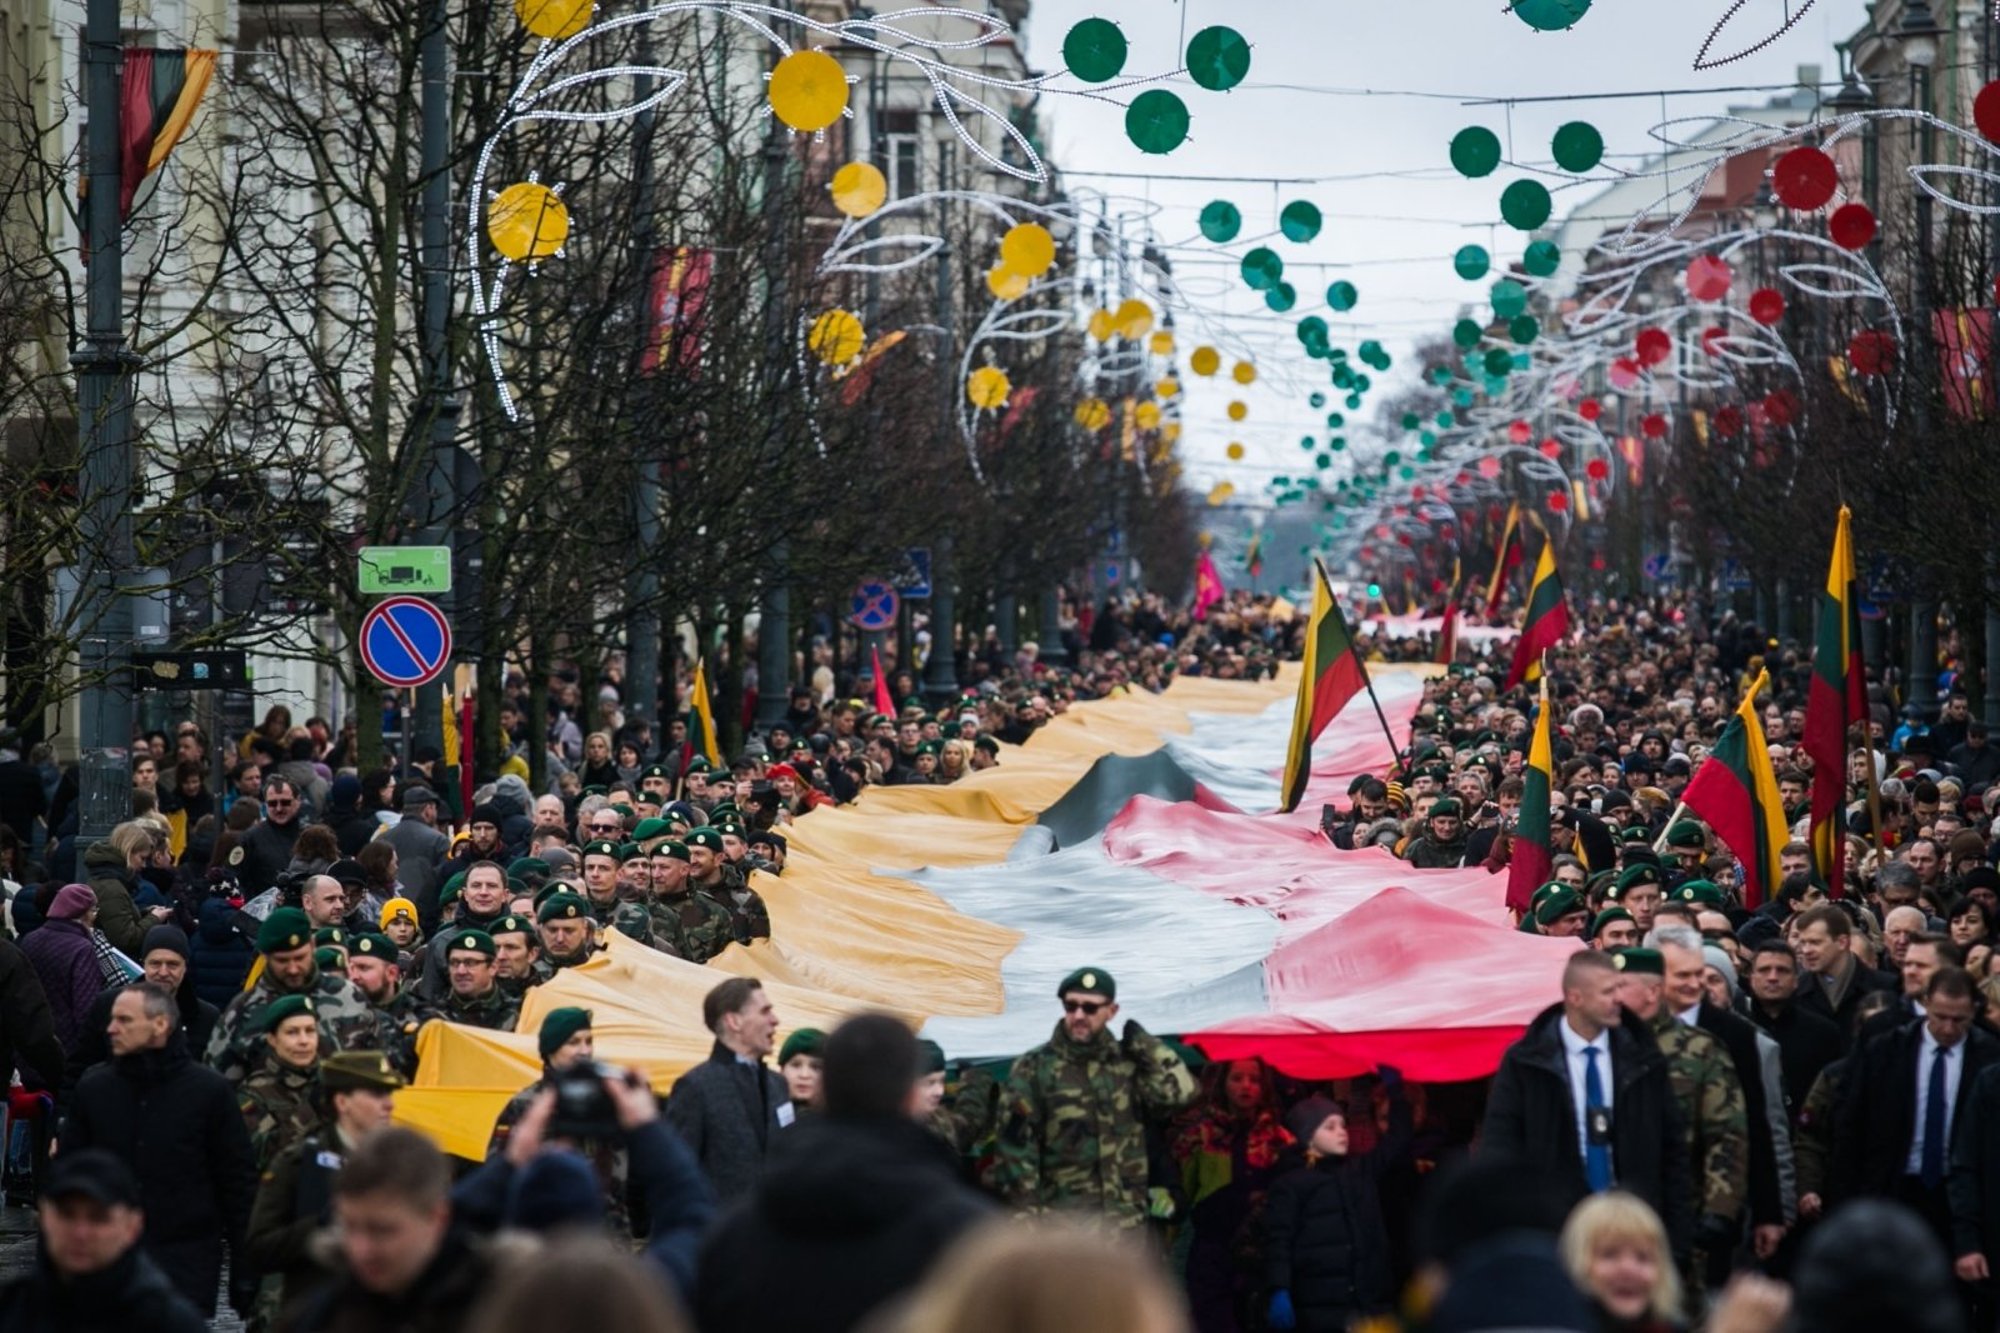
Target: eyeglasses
[[606, 828], [280, 803], [1087, 1008]]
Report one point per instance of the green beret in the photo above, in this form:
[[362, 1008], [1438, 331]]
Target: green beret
[[1686, 834], [602, 847], [329, 958], [284, 1007], [1558, 905], [1088, 981], [285, 929], [530, 870], [722, 811], [595, 789], [624, 811], [628, 851], [729, 828], [670, 847], [512, 925], [1645, 962], [1601, 881], [476, 940], [1543, 893], [372, 945], [1608, 917], [351, 1071], [931, 748], [558, 1026], [1631, 877], [698, 764], [1445, 805], [654, 771], [449, 893], [650, 829], [1640, 855], [1636, 834], [563, 906], [806, 1041], [1702, 891], [704, 837], [933, 1055], [330, 935]]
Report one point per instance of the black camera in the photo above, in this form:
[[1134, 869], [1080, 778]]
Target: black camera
[[584, 1109]]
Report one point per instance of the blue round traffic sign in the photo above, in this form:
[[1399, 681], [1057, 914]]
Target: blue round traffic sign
[[874, 606], [405, 642]]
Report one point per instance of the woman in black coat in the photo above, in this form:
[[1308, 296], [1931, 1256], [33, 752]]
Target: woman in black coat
[[1326, 1255]]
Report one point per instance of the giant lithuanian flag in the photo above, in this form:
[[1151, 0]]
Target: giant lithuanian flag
[[1546, 622], [1530, 861], [1838, 699], [1736, 791], [1330, 676]]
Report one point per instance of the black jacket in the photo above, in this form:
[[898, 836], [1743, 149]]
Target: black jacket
[[1975, 1170], [27, 1025], [1739, 1036], [1531, 1116], [1807, 1043], [852, 1212], [130, 1296], [727, 1113], [1812, 997], [441, 1300], [267, 850], [1326, 1241], [93, 1044], [1877, 1118], [177, 1125]]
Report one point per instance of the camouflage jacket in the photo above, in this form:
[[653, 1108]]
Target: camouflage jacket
[[1714, 1120], [492, 1011], [1073, 1123], [346, 1023], [748, 918], [280, 1106], [517, 988], [691, 925], [609, 1159], [627, 918], [967, 1116], [1812, 1141], [398, 1023]]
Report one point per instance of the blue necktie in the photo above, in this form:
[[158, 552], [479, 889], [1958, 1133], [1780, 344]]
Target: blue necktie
[[1597, 1156], [1934, 1109]]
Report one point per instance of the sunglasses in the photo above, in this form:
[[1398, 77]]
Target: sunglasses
[[1084, 1007], [606, 828], [280, 804]]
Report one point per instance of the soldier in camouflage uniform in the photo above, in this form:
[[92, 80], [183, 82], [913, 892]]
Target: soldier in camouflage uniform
[[963, 1119], [569, 936], [476, 999], [517, 956], [566, 1041], [715, 879], [374, 966], [1075, 1110], [685, 923], [345, 1020], [280, 1099], [601, 862]]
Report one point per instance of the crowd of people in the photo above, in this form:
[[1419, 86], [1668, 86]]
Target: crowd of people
[[1733, 1115]]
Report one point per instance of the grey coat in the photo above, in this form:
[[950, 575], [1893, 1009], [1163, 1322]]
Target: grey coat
[[727, 1111]]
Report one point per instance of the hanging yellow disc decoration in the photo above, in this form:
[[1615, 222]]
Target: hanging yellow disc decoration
[[1093, 414], [1238, 410], [808, 91], [1204, 361], [836, 337], [1005, 283], [553, 18], [1243, 373], [1235, 452], [1134, 319], [1146, 415], [1167, 387], [1221, 492], [988, 388], [527, 221], [1170, 433], [1102, 325], [1028, 249], [1161, 344], [858, 189]]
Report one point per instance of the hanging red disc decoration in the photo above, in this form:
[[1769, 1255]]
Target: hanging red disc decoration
[[1805, 179], [1781, 407], [1520, 432], [1597, 469], [1653, 346], [1986, 111], [1551, 448], [1711, 339], [1624, 373], [1708, 278], [1558, 501], [1728, 422], [1489, 467], [1871, 352], [1654, 427], [1367, 553], [1590, 409], [1417, 491], [1851, 226], [1767, 307]]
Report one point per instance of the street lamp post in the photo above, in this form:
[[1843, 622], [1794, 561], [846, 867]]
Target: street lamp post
[[1918, 36]]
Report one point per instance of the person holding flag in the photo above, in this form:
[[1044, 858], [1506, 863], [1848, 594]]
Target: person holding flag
[[1735, 791], [1836, 701], [1529, 863]]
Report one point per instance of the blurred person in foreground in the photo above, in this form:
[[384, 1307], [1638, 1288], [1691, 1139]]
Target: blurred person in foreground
[[1048, 1277], [577, 1283], [1616, 1251]]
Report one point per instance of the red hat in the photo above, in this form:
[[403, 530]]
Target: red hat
[[776, 771]]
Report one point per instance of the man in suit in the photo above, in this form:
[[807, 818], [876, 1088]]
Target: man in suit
[[1836, 979], [1923, 955], [731, 1108], [1584, 1096], [1807, 1043]]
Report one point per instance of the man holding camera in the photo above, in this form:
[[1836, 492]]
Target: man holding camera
[[569, 1058]]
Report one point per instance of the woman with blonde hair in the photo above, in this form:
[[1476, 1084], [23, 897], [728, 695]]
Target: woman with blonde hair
[[954, 761], [1043, 1278], [1616, 1251]]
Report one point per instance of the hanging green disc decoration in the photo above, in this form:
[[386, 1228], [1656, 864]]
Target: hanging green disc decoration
[[1220, 221], [1157, 121], [1095, 50], [1341, 296], [1312, 330], [1300, 221], [1218, 58], [1467, 333], [1550, 15], [1475, 151], [1471, 262], [1525, 205], [1262, 269], [1523, 329], [1509, 297], [1281, 297], [1577, 146], [1499, 362], [1542, 259], [1316, 401]]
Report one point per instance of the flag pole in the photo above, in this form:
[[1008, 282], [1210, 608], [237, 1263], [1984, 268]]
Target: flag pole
[[1367, 681]]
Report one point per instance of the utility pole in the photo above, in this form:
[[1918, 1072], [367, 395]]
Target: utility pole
[[941, 671], [774, 620], [105, 366], [642, 628]]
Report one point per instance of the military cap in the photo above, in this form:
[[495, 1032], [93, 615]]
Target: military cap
[[624, 811], [986, 743], [449, 892], [1088, 981], [1638, 854], [1635, 834], [284, 1007], [1542, 893], [671, 847], [398, 909], [371, 945], [1686, 834], [327, 958], [1632, 877], [933, 1056], [705, 836], [1446, 806], [654, 771], [651, 828], [722, 811], [1610, 916], [1645, 962], [628, 851], [595, 789], [729, 828], [698, 764], [805, 1041], [529, 870], [478, 941], [602, 847], [358, 1071], [679, 812], [1601, 881], [562, 906], [285, 929], [511, 924], [1702, 891], [770, 836], [1558, 905], [330, 935], [558, 1026], [930, 748]]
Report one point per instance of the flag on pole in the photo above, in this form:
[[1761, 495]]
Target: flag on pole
[[1253, 559], [1505, 558], [1736, 791], [1447, 649], [160, 90], [1330, 675], [1546, 622], [1530, 862], [1835, 701], [885, 703], [1207, 586], [701, 716]]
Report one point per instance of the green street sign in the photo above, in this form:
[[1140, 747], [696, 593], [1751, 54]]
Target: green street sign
[[412, 569]]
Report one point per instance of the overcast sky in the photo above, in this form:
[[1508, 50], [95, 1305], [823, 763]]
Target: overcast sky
[[1395, 211]]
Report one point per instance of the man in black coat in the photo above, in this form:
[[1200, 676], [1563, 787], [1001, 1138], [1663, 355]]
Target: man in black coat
[[854, 1209], [90, 1273], [266, 849], [730, 1108], [1835, 979], [27, 1027], [1537, 1112], [176, 1124], [1807, 1043]]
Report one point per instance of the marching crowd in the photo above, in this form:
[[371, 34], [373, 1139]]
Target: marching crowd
[[1734, 1115]]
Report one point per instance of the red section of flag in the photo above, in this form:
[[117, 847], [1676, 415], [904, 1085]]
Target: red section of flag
[[1965, 358], [676, 305]]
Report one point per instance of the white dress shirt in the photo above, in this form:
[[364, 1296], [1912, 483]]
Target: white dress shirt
[[1954, 1069], [1573, 1046]]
